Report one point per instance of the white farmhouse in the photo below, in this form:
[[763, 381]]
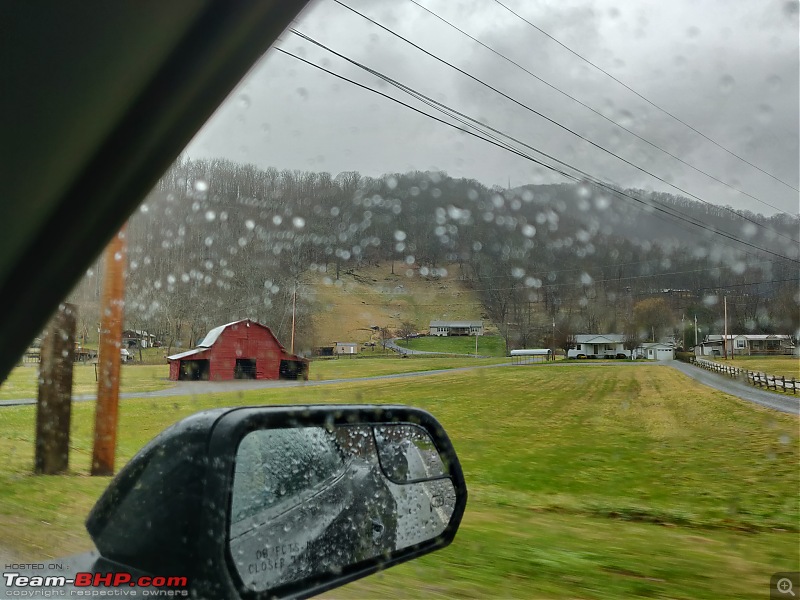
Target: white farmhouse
[[449, 328], [605, 345]]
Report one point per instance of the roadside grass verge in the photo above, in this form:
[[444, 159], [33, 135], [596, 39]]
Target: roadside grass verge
[[590, 483], [488, 345], [23, 382], [786, 366]]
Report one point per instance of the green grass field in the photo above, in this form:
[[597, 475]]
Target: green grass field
[[488, 345], [23, 382], [585, 482], [153, 356], [345, 368], [788, 366]]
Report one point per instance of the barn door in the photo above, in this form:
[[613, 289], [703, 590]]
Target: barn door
[[245, 368]]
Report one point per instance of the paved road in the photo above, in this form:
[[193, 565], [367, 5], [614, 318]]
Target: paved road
[[773, 400], [192, 388]]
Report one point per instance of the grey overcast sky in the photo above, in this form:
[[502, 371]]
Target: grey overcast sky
[[730, 69]]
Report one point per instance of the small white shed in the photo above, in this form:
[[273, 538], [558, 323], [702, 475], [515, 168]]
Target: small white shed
[[346, 348]]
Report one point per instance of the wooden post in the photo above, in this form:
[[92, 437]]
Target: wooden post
[[113, 304], [54, 404]]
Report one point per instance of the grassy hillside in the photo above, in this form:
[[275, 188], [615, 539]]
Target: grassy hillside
[[488, 345], [371, 296]]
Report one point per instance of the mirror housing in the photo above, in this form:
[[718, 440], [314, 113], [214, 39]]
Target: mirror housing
[[168, 511]]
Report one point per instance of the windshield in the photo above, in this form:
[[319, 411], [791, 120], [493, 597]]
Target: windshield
[[568, 230]]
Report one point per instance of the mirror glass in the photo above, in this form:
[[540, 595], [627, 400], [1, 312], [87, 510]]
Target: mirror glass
[[309, 501], [407, 453]]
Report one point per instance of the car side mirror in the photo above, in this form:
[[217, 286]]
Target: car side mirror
[[283, 502]]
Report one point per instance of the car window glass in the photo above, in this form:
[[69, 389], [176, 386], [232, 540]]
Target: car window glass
[[609, 188]]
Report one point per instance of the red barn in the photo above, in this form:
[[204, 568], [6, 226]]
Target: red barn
[[239, 350]]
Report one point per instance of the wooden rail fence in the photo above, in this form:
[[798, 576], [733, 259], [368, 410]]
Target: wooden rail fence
[[762, 380]]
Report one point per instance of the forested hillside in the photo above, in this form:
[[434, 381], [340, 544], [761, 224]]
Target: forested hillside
[[218, 241]]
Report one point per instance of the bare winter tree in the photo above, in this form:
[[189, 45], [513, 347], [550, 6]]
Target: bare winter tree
[[406, 330]]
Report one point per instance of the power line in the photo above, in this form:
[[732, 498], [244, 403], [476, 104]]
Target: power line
[[650, 102], [460, 117], [548, 272], [556, 123], [596, 112], [607, 280], [611, 189], [567, 284], [637, 277], [449, 111], [406, 105]]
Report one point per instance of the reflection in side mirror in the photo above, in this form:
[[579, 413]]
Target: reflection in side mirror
[[312, 501]]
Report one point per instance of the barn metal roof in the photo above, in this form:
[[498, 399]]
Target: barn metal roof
[[185, 354], [213, 335]]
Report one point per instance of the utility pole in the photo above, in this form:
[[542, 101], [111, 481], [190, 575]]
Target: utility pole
[[554, 339], [725, 337], [683, 331], [113, 306], [294, 308], [695, 331], [54, 403]]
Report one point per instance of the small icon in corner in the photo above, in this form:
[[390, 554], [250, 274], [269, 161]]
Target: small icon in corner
[[784, 585]]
